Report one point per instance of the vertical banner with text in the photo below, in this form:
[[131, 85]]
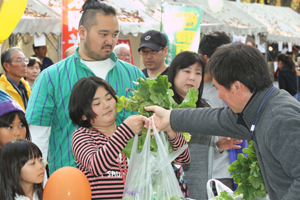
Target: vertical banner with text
[[182, 28], [70, 21]]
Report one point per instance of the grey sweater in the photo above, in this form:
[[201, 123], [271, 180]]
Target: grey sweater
[[277, 136], [199, 170]]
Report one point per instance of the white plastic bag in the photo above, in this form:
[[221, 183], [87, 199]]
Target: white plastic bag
[[152, 177], [220, 187]]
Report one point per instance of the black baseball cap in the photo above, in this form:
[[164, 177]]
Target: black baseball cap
[[153, 39]]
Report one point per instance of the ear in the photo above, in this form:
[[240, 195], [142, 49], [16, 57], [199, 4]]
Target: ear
[[82, 32], [239, 88], [165, 51], [236, 86], [83, 117], [206, 58], [6, 66]]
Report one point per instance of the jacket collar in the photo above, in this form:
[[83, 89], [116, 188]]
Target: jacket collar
[[113, 56], [250, 111]]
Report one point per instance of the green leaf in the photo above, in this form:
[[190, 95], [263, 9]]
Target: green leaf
[[246, 172], [190, 99], [186, 136], [153, 92]]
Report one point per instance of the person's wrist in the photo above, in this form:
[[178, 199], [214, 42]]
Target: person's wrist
[[219, 148]]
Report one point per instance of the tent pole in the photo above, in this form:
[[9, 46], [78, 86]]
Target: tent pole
[[59, 48], [266, 54]]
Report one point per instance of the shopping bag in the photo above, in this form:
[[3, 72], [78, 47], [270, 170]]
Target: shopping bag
[[220, 187], [150, 174]]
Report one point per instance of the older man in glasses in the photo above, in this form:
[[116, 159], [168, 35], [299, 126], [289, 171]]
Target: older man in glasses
[[14, 64], [153, 48], [123, 52]]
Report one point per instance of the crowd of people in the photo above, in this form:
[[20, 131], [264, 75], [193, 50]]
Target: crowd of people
[[65, 114]]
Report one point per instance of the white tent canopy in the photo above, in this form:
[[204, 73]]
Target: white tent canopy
[[286, 14], [230, 20], [278, 30], [139, 16], [235, 20], [39, 18]]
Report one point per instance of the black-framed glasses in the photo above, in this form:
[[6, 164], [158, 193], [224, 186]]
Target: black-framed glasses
[[21, 60], [152, 52]]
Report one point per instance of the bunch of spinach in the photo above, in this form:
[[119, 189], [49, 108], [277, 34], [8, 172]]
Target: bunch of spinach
[[247, 174], [223, 196], [154, 92]]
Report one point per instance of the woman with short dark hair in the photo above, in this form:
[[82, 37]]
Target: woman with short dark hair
[[33, 70]]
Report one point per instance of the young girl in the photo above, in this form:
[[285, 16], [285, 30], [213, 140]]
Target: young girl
[[13, 124], [97, 145], [21, 171]]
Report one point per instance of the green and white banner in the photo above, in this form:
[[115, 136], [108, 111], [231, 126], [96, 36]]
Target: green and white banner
[[181, 25]]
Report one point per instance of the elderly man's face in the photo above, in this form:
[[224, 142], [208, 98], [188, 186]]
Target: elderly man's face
[[17, 68], [124, 55]]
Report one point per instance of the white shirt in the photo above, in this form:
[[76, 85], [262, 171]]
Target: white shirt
[[21, 197], [100, 68]]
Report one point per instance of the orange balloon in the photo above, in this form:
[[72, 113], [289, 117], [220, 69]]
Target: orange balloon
[[67, 183]]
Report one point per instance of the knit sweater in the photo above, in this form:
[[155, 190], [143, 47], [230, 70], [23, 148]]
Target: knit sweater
[[276, 135]]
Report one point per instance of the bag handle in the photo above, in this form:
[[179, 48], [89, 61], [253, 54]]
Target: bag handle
[[220, 187], [166, 158]]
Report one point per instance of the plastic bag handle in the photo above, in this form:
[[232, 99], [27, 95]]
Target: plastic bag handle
[[168, 158], [220, 187]]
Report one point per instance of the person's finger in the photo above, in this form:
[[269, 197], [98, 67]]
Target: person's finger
[[150, 108], [236, 147], [238, 141]]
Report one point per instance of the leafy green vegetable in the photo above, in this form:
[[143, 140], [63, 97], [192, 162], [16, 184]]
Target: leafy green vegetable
[[247, 174], [186, 136], [154, 92], [176, 198], [224, 196]]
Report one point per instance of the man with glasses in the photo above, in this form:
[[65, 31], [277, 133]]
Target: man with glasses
[[123, 52], [14, 64], [153, 48]]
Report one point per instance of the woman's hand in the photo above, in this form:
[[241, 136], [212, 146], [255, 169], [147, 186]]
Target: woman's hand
[[135, 123], [228, 143]]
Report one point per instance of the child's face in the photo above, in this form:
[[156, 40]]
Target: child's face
[[32, 172], [16, 130], [104, 106]]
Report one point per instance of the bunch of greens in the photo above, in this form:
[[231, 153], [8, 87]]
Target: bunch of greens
[[224, 196], [154, 92], [247, 174]]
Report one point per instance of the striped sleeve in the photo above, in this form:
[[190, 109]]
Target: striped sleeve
[[41, 103], [177, 142], [98, 159]]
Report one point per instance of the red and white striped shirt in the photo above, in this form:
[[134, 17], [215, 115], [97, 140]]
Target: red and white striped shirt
[[97, 157]]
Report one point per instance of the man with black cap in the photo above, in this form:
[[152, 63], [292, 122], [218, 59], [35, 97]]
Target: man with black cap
[[154, 50]]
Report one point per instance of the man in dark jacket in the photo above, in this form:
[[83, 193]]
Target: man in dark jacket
[[256, 111]]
